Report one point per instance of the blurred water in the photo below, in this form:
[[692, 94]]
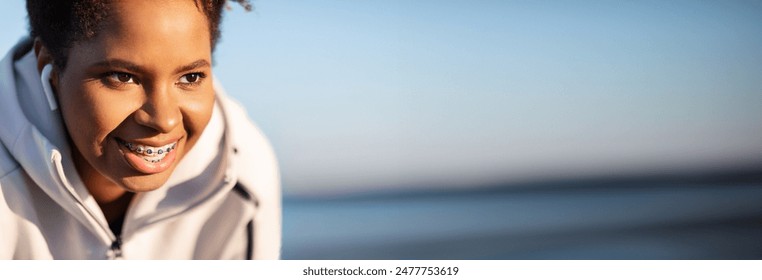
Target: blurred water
[[625, 221]]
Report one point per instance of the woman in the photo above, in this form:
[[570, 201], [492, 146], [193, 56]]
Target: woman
[[118, 143]]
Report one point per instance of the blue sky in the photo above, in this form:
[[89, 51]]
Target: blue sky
[[360, 95]]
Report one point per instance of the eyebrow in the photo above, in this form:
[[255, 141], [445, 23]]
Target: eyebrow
[[132, 67], [193, 65], [118, 63]]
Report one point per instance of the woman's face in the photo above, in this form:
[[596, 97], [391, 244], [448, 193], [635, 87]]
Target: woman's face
[[136, 97]]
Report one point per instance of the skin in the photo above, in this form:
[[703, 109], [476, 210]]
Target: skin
[[144, 78]]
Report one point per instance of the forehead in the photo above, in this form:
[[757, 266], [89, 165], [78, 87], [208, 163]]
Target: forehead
[[163, 14], [144, 30]]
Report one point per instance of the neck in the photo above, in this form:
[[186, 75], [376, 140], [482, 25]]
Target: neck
[[112, 199], [115, 211]]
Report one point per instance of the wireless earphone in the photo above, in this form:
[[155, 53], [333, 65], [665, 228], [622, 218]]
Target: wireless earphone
[[45, 79]]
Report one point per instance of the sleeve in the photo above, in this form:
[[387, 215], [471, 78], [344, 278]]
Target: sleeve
[[258, 172], [267, 225], [268, 220], [8, 223], [9, 231]]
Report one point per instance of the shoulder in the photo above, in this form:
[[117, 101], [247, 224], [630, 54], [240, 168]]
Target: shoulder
[[7, 163], [247, 137], [257, 171], [10, 194], [256, 162]]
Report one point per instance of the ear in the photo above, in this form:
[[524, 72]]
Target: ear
[[43, 54], [44, 57]]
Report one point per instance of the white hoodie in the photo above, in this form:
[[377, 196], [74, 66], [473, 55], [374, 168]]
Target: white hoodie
[[221, 202]]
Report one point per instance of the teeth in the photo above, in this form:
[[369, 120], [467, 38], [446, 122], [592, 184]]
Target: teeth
[[149, 153]]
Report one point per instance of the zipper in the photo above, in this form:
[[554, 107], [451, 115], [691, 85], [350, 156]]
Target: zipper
[[115, 250]]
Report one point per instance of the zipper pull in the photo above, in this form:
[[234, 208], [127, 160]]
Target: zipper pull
[[115, 253]]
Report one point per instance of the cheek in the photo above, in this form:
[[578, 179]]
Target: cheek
[[91, 115], [197, 111]]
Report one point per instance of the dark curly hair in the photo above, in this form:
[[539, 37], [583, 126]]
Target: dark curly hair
[[60, 24]]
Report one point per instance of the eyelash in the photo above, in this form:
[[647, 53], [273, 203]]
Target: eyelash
[[199, 78], [111, 79]]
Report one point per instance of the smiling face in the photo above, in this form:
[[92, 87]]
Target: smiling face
[[136, 97]]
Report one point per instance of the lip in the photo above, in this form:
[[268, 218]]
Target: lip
[[139, 164], [149, 142]]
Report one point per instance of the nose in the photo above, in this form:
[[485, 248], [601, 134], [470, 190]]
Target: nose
[[160, 110]]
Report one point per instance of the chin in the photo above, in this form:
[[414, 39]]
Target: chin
[[144, 183]]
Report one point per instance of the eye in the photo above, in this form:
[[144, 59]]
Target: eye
[[192, 78], [121, 78]]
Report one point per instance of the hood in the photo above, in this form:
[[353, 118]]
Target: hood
[[34, 136], [32, 131]]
